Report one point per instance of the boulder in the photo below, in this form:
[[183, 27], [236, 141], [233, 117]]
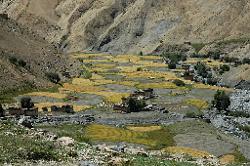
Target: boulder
[[64, 141]]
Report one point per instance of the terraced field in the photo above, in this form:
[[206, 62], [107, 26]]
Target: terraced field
[[107, 79]]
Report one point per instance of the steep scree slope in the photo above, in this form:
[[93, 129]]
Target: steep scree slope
[[130, 26]]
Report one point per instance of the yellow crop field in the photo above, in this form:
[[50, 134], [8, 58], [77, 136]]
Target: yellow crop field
[[104, 66], [227, 159], [77, 108], [80, 88], [111, 97], [163, 85], [199, 103], [151, 74], [91, 56], [203, 86], [150, 57], [144, 128], [47, 94], [126, 58], [188, 151]]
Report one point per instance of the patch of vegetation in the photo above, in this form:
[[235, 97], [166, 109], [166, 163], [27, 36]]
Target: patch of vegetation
[[221, 101], [26, 102], [198, 103], [198, 46], [194, 114], [239, 158], [201, 69], [6, 96], [246, 61], [178, 82], [156, 139], [172, 65], [214, 54], [245, 128], [238, 40], [135, 105], [15, 146], [85, 73], [174, 57], [239, 114], [77, 132], [154, 161], [53, 77], [17, 62]]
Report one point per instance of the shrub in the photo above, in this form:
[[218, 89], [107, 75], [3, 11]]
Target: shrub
[[215, 55], [231, 59], [172, 65], [26, 102], [194, 114], [22, 63], [179, 82], [225, 67], [86, 74], [135, 105], [1, 111], [246, 61], [201, 69], [53, 77], [141, 53], [139, 69], [13, 60], [221, 100], [175, 57]]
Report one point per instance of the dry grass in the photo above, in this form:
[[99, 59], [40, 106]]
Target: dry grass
[[144, 128], [77, 108], [161, 85], [209, 62], [79, 88], [104, 66], [91, 56], [151, 74], [227, 159], [199, 103], [203, 86], [187, 151], [151, 57], [111, 97], [126, 58], [47, 94]]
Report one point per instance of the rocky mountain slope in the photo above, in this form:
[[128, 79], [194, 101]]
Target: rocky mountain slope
[[122, 26], [25, 57]]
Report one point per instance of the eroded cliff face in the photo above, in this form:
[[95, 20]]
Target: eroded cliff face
[[130, 26]]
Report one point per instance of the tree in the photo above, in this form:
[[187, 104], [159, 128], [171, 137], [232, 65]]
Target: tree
[[172, 65], [179, 82], [135, 105], [53, 77], [26, 102], [201, 69], [221, 100], [1, 111], [225, 68]]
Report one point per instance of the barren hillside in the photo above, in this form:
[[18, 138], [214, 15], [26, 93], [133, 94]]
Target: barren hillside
[[121, 26], [25, 58]]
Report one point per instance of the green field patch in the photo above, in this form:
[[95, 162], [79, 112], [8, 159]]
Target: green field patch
[[155, 139]]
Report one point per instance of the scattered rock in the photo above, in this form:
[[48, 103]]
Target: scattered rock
[[64, 141]]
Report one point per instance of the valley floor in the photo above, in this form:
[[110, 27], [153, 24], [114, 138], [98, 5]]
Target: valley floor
[[104, 81]]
